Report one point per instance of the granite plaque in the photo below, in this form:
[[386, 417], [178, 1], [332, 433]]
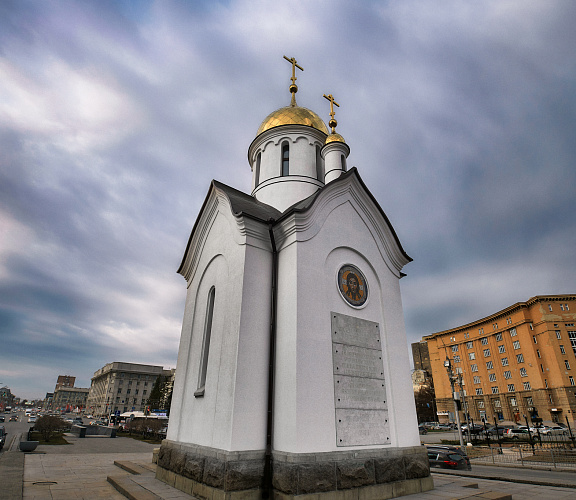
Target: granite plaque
[[355, 331], [359, 385], [358, 392], [357, 361], [362, 427]]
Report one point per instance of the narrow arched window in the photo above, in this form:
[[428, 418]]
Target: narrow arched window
[[343, 161], [285, 159], [319, 169], [257, 173], [206, 343]]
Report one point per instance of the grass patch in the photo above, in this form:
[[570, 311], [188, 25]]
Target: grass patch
[[55, 439], [139, 437]]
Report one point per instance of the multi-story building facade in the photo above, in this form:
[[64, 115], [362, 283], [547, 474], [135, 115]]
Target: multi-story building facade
[[122, 387], [70, 398], [421, 357], [513, 362], [65, 381]]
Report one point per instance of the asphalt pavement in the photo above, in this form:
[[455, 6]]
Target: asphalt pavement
[[80, 470]]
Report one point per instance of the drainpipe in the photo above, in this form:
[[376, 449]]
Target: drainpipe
[[267, 486]]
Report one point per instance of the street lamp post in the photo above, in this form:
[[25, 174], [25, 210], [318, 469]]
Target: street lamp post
[[448, 366]]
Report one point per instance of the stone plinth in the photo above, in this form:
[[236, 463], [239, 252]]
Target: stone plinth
[[378, 473]]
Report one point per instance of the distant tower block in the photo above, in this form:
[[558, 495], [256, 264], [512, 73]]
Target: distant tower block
[[293, 375]]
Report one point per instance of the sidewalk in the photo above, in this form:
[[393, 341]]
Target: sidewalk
[[80, 471]]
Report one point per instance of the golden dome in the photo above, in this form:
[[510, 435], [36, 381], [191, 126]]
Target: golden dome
[[334, 137], [292, 115]]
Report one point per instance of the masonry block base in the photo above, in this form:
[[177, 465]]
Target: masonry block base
[[343, 475]]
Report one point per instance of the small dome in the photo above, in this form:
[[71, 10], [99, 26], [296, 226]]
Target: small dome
[[293, 115], [334, 137]]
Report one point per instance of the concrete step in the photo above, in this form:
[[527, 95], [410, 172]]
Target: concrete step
[[142, 483], [130, 489]]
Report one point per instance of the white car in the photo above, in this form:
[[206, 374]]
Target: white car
[[31, 419], [554, 431]]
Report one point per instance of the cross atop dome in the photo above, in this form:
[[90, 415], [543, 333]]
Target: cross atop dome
[[293, 87]]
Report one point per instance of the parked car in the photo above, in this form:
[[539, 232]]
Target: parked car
[[448, 459], [2, 436], [422, 429], [474, 428], [554, 431], [502, 429], [429, 425], [449, 449], [2, 418], [517, 434]]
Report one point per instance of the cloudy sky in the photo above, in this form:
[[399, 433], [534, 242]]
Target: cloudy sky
[[115, 116]]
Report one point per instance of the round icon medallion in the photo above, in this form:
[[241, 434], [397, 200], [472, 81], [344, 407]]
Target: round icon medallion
[[352, 285]]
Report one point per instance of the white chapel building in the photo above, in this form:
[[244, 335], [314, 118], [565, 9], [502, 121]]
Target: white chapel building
[[293, 374]]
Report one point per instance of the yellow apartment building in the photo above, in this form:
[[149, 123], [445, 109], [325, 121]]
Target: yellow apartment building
[[511, 363]]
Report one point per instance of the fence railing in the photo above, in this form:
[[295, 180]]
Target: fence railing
[[524, 455]]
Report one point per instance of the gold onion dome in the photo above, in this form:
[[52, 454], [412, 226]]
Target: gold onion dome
[[334, 137], [293, 115]]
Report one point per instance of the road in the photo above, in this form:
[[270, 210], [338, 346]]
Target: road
[[13, 429]]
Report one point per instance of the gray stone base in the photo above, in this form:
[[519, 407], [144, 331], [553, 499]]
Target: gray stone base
[[361, 474]]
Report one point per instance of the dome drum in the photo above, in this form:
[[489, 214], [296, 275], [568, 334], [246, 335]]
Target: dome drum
[[334, 154]]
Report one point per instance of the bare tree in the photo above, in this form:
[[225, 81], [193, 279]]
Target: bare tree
[[48, 425]]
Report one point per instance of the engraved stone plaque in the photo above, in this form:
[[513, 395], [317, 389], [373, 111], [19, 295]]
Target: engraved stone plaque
[[357, 361], [362, 427], [359, 385], [358, 392], [355, 331]]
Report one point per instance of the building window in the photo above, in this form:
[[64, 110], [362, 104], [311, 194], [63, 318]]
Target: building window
[[546, 383], [343, 162], [519, 358], [512, 400], [538, 352], [501, 349], [319, 169], [476, 379], [526, 386], [571, 378], [285, 159], [144, 392], [523, 372], [474, 368], [541, 367], [128, 391], [562, 351], [558, 336], [454, 348], [484, 341], [489, 365], [572, 337], [507, 374], [456, 359], [119, 390], [511, 388], [492, 377], [479, 391], [469, 345], [516, 344], [531, 326], [512, 332], [480, 331], [504, 361], [534, 339], [486, 353], [495, 390], [550, 307], [206, 343], [567, 364], [508, 321], [472, 355], [458, 370], [480, 404], [499, 337]]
